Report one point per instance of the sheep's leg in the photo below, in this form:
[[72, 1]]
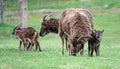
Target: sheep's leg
[[97, 50], [82, 49], [20, 45], [66, 43], [24, 46], [88, 48], [32, 43], [38, 45], [28, 47], [31, 46], [24, 43], [92, 50], [62, 45], [60, 32], [62, 38], [69, 49]]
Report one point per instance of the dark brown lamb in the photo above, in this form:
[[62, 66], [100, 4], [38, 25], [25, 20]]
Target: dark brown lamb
[[27, 35], [94, 42]]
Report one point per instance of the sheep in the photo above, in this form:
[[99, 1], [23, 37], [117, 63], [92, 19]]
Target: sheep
[[76, 25], [50, 25], [94, 42], [26, 35]]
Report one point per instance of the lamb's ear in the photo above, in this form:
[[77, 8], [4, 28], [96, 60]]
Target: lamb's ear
[[94, 30], [102, 30]]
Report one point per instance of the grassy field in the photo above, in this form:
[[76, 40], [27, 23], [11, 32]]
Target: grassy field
[[50, 57]]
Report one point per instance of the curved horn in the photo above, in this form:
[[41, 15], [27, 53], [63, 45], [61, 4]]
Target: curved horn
[[68, 35], [45, 17], [80, 38]]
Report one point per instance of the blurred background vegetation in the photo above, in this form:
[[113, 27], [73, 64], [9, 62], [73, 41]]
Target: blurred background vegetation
[[54, 6], [62, 4]]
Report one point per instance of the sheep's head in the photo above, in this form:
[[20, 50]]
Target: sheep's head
[[49, 25], [44, 27], [75, 42]]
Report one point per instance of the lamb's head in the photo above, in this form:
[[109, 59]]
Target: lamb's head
[[98, 34], [75, 42], [15, 29]]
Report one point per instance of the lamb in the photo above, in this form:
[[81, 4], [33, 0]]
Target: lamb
[[27, 35], [78, 28], [94, 42]]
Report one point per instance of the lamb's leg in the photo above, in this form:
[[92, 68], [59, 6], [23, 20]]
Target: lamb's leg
[[32, 43], [24, 43], [24, 46], [92, 51], [97, 51], [20, 45], [28, 47], [38, 45]]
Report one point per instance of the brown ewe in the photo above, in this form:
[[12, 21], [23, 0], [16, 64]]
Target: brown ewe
[[76, 25]]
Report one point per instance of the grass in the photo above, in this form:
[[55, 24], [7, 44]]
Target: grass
[[50, 57]]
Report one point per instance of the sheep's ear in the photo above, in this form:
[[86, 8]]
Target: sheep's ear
[[102, 30]]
